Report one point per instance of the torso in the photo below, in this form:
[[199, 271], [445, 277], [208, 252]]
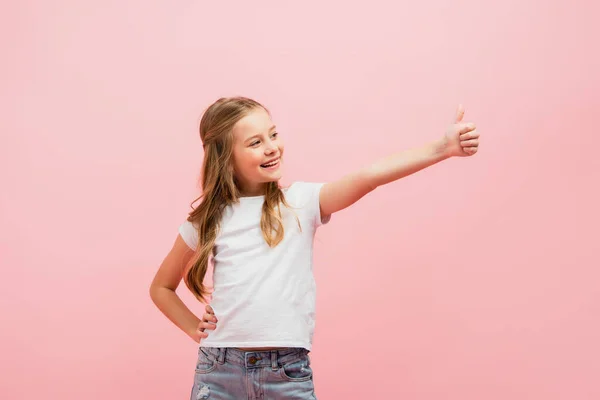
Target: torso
[[250, 277]]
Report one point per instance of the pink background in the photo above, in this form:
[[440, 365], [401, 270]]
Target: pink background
[[475, 279]]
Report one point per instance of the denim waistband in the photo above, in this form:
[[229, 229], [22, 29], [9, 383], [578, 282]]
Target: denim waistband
[[254, 359]]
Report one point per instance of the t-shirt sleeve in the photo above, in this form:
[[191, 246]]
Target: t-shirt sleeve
[[317, 204], [189, 234], [308, 194]]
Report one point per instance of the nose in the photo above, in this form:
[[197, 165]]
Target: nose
[[270, 148]]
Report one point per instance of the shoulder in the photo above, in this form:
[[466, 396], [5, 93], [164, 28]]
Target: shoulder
[[304, 194], [302, 190], [189, 234]]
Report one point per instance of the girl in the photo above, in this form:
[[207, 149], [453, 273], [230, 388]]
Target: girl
[[256, 334]]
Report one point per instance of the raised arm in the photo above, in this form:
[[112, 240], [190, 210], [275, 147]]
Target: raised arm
[[461, 139]]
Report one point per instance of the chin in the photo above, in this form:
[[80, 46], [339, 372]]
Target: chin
[[272, 177], [276, 178]]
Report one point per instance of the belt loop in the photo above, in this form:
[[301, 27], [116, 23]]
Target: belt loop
[[221, 358], [274, 360]]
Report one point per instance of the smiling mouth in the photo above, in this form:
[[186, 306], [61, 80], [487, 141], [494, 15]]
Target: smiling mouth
[[270, 164]]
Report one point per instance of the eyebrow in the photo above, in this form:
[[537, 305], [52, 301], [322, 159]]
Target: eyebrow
[[255, 136]]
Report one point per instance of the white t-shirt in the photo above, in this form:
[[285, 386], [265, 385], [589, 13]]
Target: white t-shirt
[[262, 296]]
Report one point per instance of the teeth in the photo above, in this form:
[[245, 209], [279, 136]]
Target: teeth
[[270, 164]]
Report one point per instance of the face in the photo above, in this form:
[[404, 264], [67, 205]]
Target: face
[[257, 152]]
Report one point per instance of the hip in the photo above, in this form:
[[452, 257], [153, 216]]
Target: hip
[[231, 373]]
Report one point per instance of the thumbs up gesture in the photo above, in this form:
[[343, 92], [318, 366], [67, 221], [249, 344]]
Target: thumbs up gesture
[[462, 138]]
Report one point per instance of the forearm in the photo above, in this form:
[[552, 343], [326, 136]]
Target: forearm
[[342, 193], [174, 309], [405, 163]]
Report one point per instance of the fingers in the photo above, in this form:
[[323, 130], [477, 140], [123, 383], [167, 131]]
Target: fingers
[[460, 113], [211, 318], [469, 143], [200, 330], [209, 315], [209, 321], [203, 325], [469, 135], [466, 128], [470, 150], [201, 334]]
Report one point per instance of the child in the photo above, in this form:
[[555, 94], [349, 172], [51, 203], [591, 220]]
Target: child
[[256, 335]]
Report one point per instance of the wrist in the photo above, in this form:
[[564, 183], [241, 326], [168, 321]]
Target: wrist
[[192, 329], [442, 148]]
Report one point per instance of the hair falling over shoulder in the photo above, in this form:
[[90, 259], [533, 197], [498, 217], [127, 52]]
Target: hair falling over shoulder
[[219, 188]]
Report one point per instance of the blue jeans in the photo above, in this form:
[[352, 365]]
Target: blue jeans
[[232, 374]]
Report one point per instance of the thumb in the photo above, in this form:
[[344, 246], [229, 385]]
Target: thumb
[[460, 113]]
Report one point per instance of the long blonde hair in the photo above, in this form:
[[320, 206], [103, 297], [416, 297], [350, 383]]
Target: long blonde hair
[[220, 189]]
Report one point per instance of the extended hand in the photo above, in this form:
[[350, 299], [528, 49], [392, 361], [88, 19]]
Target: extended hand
[[462, 139]]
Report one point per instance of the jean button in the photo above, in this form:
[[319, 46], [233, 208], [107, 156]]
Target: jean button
[[252, 360]]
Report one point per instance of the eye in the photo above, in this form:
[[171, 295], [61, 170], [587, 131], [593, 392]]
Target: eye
[[275, 134], [253, 144]]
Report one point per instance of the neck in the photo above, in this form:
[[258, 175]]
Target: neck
[[253, 190]]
